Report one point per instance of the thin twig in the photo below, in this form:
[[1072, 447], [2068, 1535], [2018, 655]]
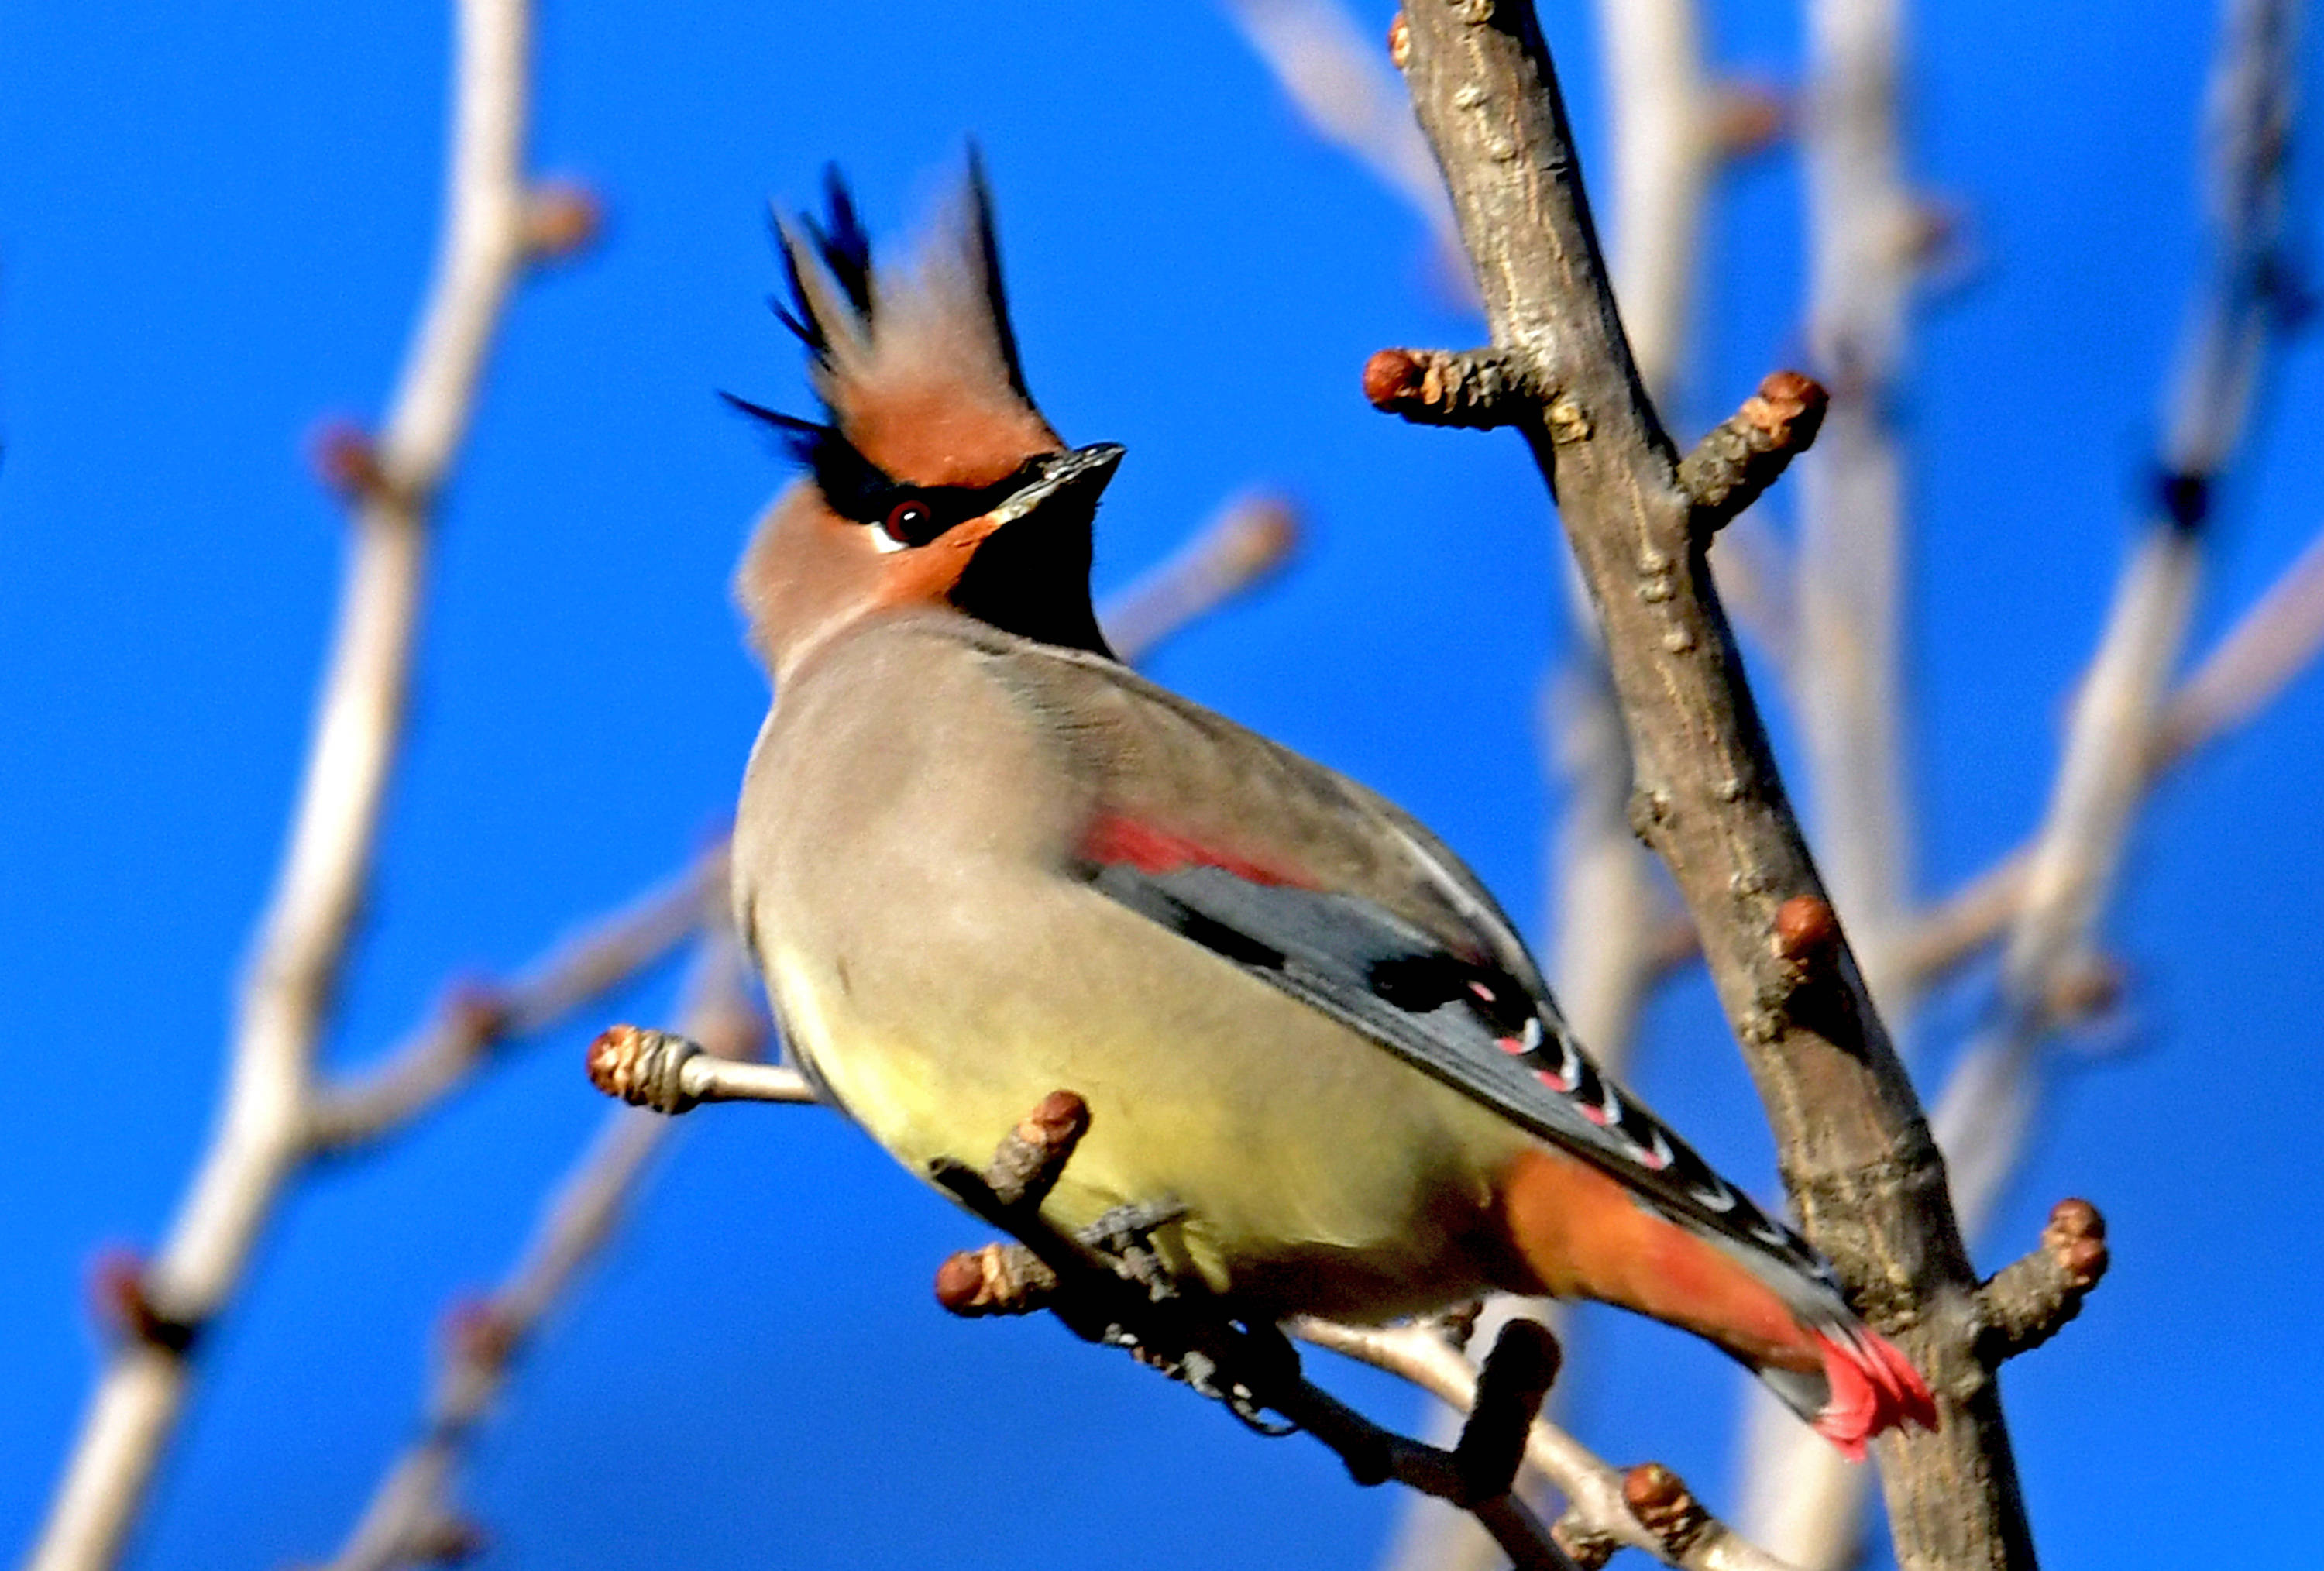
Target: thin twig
[[1592, 1488], [418, 1075], [672, 1073], [304, 934], [1335, 76], [1108, 1285], [2024, 1303], [412, 1518], [1249, 541]]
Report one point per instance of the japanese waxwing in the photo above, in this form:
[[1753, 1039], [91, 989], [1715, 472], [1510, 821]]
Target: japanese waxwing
[[978, 861]]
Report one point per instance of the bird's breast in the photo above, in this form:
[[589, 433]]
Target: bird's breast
[[902, 872]]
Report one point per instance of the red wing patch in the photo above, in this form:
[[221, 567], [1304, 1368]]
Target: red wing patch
[[1113, 839]]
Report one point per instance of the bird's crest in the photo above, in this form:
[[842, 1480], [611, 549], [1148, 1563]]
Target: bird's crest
[[905, 361]]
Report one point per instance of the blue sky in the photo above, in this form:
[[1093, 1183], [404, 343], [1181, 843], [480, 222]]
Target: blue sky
[[215, 224]]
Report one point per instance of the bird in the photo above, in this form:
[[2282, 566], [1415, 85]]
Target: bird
[[978, 859]]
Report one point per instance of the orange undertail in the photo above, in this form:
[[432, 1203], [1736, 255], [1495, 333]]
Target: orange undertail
[[1578, 1233]]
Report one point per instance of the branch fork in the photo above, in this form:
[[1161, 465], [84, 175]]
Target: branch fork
[[2030, 1300], [1108, 1285]]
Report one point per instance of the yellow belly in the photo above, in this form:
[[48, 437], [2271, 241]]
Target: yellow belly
[[1320, 1174]]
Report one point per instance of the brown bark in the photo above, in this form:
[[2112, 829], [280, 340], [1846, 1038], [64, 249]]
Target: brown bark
[[1855, 1148]]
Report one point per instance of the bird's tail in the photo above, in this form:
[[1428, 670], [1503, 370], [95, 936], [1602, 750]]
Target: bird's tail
[[1580, 1234], [1863, 1387]]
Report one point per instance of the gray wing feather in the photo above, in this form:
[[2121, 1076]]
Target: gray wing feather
[[1469, 1024], [1460, 998]]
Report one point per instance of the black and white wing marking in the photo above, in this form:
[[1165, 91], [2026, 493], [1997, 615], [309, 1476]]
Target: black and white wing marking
[[1467, 1022]]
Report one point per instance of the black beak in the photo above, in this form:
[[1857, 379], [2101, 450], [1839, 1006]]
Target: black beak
[[1082, 473], [1033, 580]]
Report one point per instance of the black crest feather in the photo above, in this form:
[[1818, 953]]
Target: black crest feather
[[798, 436], [837, 244], [844, 250], [988, 249]]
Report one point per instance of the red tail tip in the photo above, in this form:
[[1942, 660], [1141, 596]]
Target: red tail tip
[[1874, 1389]]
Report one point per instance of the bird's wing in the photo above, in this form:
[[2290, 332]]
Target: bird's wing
[[1329, 892]]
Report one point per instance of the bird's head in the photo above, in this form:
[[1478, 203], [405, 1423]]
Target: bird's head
[[932, 480]]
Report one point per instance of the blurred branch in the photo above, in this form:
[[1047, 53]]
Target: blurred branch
[[1845, 667], [1245, 544], [2114, 738], [435, 1061], [1854, 1146], [1598, 1518], [1847, 680], [2111, 751], [1335, 77], [493, 226], [2273, 641], [412, 1518]]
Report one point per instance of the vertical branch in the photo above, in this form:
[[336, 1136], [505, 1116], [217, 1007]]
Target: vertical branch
[[1801, 1499], [1987, 1108], [1673, 129], [1607, 907], [303, 936], [1855, 1149], [2118, 724], [1863, 254]]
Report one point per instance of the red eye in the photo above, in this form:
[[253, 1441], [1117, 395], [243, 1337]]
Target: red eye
[[907, 522]]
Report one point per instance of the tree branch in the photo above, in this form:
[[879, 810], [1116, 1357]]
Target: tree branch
[[1109, 1286], [1845, 676], [1748, 451], [412, 1518], [2272, 642], [1855, 1149], [1598, 1517], [417, 1076], [1986, 1111], [2235, 319], [672, 1072], [2027, 1302], [1249, 542], [491, 225]]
